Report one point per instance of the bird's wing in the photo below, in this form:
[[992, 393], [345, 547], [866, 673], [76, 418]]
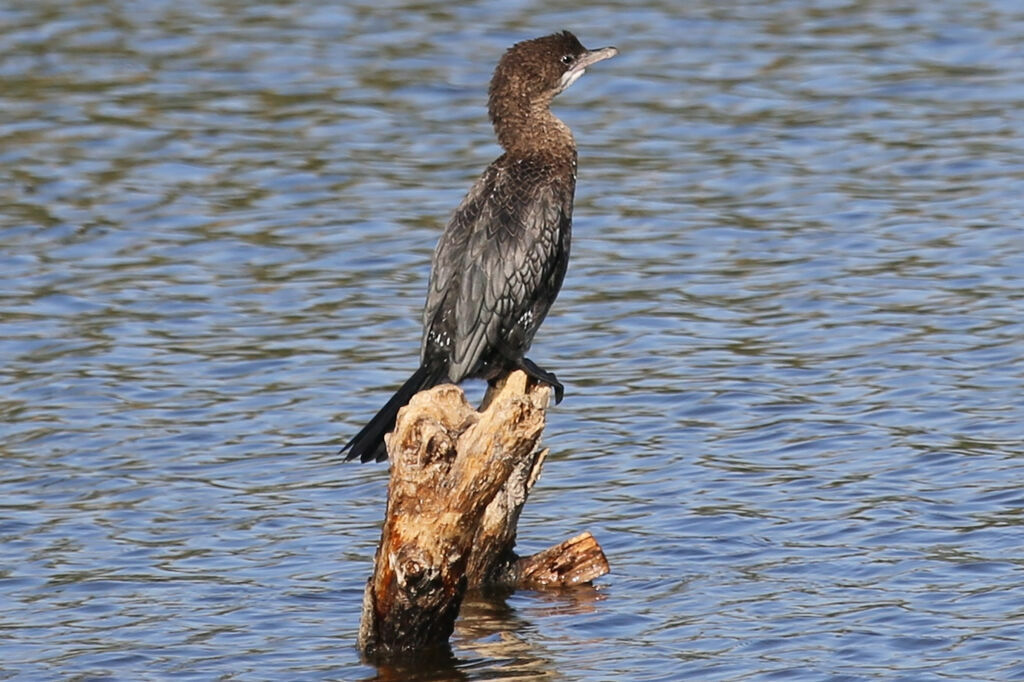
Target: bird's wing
[[447, 263], [511, 249]]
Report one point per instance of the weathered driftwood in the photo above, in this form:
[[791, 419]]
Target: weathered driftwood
[[459, 479]]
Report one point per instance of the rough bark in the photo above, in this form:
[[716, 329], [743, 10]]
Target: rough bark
[[459, 479], [576, 561]]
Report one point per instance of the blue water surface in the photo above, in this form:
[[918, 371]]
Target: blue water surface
[[792, 335]]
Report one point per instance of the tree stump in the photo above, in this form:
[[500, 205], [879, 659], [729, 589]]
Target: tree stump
[[459, 479]]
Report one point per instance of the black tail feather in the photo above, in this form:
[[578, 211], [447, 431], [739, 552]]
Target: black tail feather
[[369, 442]]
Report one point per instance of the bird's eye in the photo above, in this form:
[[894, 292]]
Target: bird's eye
[[568, 59]]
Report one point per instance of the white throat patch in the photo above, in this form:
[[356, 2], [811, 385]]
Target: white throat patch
[[570, 77]]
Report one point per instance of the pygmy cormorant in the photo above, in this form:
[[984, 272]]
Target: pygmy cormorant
[[501, 260]]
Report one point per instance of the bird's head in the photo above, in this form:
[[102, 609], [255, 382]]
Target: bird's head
[[531, 73]]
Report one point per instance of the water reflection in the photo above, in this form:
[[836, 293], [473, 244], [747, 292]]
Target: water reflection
[[492, 634], [490, 629]]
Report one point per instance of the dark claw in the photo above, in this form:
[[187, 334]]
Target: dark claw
[[549, 378]]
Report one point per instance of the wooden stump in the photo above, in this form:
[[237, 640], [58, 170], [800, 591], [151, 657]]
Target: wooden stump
[[459, 479]]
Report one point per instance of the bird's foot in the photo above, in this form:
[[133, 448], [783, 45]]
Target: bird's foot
[[549, 378]]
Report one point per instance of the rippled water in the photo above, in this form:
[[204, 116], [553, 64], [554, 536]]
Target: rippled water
[[791, 335]]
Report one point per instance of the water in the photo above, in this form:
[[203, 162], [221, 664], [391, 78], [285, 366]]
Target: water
[[791, 335]]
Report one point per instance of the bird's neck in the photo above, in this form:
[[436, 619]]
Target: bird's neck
[[525, 128]]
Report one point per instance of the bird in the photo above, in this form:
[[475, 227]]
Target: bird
[[501, 260]]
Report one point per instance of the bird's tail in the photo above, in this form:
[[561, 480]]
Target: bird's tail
[[369, 442]]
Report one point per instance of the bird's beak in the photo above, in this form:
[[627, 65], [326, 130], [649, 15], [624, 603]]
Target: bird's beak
[[593, 56], [580, 66]]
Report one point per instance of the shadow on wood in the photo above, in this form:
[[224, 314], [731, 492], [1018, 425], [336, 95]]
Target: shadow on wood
[[459, 480]]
